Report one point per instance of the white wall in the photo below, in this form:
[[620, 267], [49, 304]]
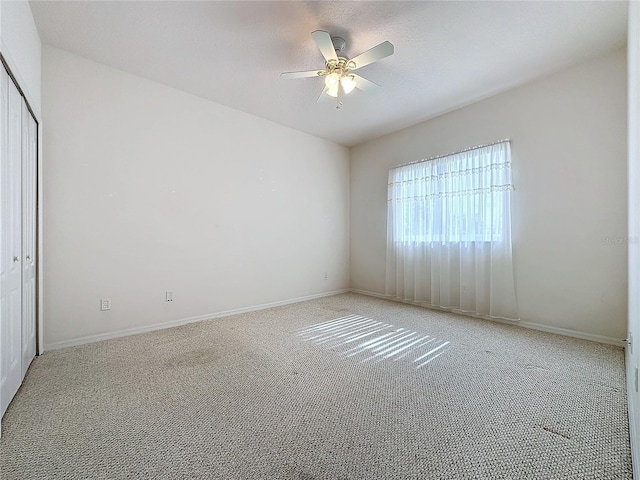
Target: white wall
[[21, 48], [633, 355], [149, 189], [568, 134]]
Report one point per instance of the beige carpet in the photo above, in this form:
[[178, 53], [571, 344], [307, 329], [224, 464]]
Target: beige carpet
[[345, 387]]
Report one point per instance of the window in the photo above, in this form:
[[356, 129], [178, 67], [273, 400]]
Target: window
[[449, 233], [462, 197]]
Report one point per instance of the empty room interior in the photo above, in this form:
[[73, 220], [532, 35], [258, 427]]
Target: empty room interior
[[319, 240]]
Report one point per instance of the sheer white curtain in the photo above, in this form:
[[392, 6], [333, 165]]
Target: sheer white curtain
[[449, 233]]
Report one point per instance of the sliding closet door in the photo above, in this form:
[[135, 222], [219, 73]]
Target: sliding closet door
[[29, 178], [11, 244]]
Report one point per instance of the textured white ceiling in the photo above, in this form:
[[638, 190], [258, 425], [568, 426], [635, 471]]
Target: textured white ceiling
[[447, 54]]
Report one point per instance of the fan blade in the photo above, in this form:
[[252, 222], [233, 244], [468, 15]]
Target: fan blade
[[307, 74], [364, 84], [373, 55], [324, 43]]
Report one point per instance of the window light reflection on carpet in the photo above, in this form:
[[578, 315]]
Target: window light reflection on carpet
[[374, 341]]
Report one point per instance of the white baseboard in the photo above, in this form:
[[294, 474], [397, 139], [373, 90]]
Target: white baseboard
[[183, 321], [534, 326], [574, 333]]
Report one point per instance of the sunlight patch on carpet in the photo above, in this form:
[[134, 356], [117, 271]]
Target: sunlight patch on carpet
[[368, 340]]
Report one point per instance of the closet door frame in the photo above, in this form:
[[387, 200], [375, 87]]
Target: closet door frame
[[14, 74], [37, 253], [38, 206]]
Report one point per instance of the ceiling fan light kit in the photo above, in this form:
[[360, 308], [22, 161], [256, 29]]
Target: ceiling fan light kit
[[338, 79], [338, 76]]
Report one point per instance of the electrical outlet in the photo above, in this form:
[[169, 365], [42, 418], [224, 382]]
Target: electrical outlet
[[105, 304], [169, 296], [326, 276]]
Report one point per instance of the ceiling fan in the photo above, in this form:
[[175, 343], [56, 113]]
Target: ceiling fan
[[338, 79]]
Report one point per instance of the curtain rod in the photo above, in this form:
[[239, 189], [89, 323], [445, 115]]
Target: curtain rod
[[453, 153]]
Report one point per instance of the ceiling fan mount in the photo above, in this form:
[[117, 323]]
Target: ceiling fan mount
[[339, 44], [339, 80]]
